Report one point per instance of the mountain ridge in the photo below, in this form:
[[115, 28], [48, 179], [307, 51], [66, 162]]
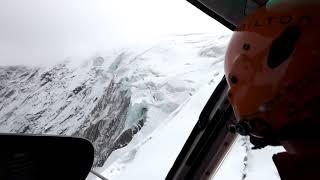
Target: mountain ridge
[[108, 98]]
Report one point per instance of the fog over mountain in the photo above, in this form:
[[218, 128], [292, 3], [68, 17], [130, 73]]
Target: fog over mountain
[[42, 32]]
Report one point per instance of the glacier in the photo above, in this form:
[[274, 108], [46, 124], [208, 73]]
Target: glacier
[[137, 105]]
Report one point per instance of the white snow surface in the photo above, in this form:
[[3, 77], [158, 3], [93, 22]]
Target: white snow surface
[[153, 156], [242, 163]]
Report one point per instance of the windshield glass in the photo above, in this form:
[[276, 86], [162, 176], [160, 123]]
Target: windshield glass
[[230, 10], [130, 76]]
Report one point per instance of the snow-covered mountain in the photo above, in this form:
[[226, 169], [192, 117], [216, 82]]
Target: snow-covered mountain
[[109, 97]]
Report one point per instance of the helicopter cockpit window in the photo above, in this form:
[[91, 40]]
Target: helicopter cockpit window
[[233, 11]]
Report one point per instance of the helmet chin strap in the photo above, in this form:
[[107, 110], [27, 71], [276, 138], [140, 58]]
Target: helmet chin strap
[[303, 131], [248, 128]]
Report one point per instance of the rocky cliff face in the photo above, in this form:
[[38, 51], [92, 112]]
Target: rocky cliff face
[[106, 121], [108, 98]]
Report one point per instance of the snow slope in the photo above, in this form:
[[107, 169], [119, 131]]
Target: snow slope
[[154, 155], [242, 163]]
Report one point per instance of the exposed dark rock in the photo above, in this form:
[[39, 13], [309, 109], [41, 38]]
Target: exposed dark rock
[[9, 94], [33, 74], [36, 116], [109, 116], [46, 76], [69, 117], [60, 110], [24, 75], [78, 89], [126, 137], [47, 130], [25, 129], [93, 131], [47, 80], [63, 131]]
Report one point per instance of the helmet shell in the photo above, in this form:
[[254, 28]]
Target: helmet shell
[[272, 65]]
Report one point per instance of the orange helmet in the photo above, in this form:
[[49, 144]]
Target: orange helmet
[[272, 68]]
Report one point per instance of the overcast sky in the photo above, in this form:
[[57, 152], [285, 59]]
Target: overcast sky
[[41, 32]]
